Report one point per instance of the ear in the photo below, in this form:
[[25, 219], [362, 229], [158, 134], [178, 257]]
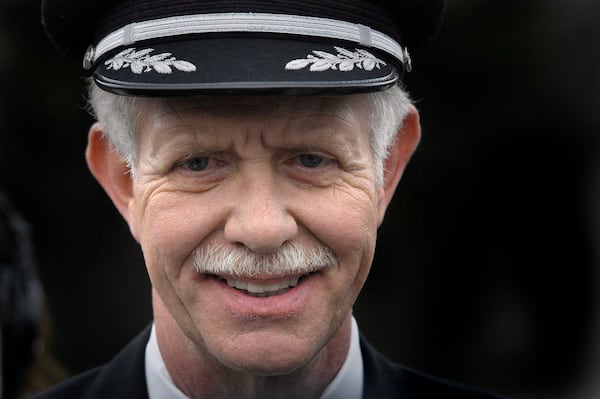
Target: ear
[[400, 153], [110, 170]]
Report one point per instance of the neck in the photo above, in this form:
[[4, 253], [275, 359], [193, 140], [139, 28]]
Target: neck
[[198, 374]]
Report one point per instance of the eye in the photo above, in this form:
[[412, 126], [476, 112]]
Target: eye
[[310, 160], [197, 164]]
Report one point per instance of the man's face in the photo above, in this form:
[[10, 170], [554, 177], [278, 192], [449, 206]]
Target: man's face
[[260, 175]]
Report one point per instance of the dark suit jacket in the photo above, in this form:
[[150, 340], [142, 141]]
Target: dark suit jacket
[[124, 378]]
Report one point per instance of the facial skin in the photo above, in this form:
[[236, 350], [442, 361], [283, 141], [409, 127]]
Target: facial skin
[[257, 174]]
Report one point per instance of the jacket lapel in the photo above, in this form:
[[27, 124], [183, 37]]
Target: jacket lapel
[[124, 377]]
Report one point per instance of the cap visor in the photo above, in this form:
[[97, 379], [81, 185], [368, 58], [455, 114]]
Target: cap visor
[[243, 65]]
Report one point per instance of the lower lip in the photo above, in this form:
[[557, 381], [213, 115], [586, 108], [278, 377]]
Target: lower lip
[[276, 307]]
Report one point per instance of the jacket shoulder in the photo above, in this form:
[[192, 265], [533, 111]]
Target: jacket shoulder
[[386, 379], [122, 378], [71, 388]]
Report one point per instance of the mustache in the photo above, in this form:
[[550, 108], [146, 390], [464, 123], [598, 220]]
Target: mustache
[[238, 261]]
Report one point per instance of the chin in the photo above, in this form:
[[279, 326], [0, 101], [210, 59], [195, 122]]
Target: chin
[[276, 356]]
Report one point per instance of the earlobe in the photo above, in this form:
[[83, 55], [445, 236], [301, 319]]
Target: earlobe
[[110, 170], [399, 154]]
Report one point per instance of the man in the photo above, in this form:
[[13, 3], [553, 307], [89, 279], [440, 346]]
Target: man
[[252, 147]]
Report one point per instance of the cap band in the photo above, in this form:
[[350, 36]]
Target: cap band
[[249, 22]]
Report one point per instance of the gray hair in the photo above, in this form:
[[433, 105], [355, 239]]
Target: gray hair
[[118, 114]]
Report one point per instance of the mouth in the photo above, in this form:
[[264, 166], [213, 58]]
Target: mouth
[[263, 288]]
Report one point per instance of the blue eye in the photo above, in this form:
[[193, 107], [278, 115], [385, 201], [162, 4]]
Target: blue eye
[[197, 163], [311, 160]]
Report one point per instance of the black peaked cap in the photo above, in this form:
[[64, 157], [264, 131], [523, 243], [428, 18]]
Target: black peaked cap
[[167, 47]]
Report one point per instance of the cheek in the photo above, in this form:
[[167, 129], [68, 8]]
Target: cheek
[[350, 231], [171, 226], [348, 225]]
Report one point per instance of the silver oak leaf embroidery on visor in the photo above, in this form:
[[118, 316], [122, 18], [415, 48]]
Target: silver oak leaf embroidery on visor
[[344, 60], [141, 61]]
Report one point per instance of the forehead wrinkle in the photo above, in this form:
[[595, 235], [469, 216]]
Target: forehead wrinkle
[[301, 115]]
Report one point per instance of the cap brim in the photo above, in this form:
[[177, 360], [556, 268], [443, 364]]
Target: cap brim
[[244, 64]]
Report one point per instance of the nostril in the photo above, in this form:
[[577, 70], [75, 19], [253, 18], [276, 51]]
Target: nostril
[[261, 233]]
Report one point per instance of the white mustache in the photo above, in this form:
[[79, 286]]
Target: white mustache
[[237, 261]]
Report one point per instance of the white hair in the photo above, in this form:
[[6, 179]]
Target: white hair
[[389, 109], [118, 114]]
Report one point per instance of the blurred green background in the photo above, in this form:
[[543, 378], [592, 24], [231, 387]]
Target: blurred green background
[[487, 267]]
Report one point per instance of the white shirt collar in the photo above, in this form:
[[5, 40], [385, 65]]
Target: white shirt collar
[[347, 384], [159, 382]]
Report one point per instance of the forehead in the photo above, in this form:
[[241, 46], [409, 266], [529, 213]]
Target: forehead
[[347, 107], [177, 124]]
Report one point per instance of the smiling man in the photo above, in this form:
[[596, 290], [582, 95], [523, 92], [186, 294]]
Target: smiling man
[[252, 147]]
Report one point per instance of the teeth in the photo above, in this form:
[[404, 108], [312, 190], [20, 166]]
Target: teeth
[[262, 290]]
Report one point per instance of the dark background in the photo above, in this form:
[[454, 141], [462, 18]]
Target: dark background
[[487, 270]]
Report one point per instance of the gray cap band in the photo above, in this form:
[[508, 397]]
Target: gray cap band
[[250, 22]]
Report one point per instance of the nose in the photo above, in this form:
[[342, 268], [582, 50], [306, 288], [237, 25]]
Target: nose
[[260, 219]]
